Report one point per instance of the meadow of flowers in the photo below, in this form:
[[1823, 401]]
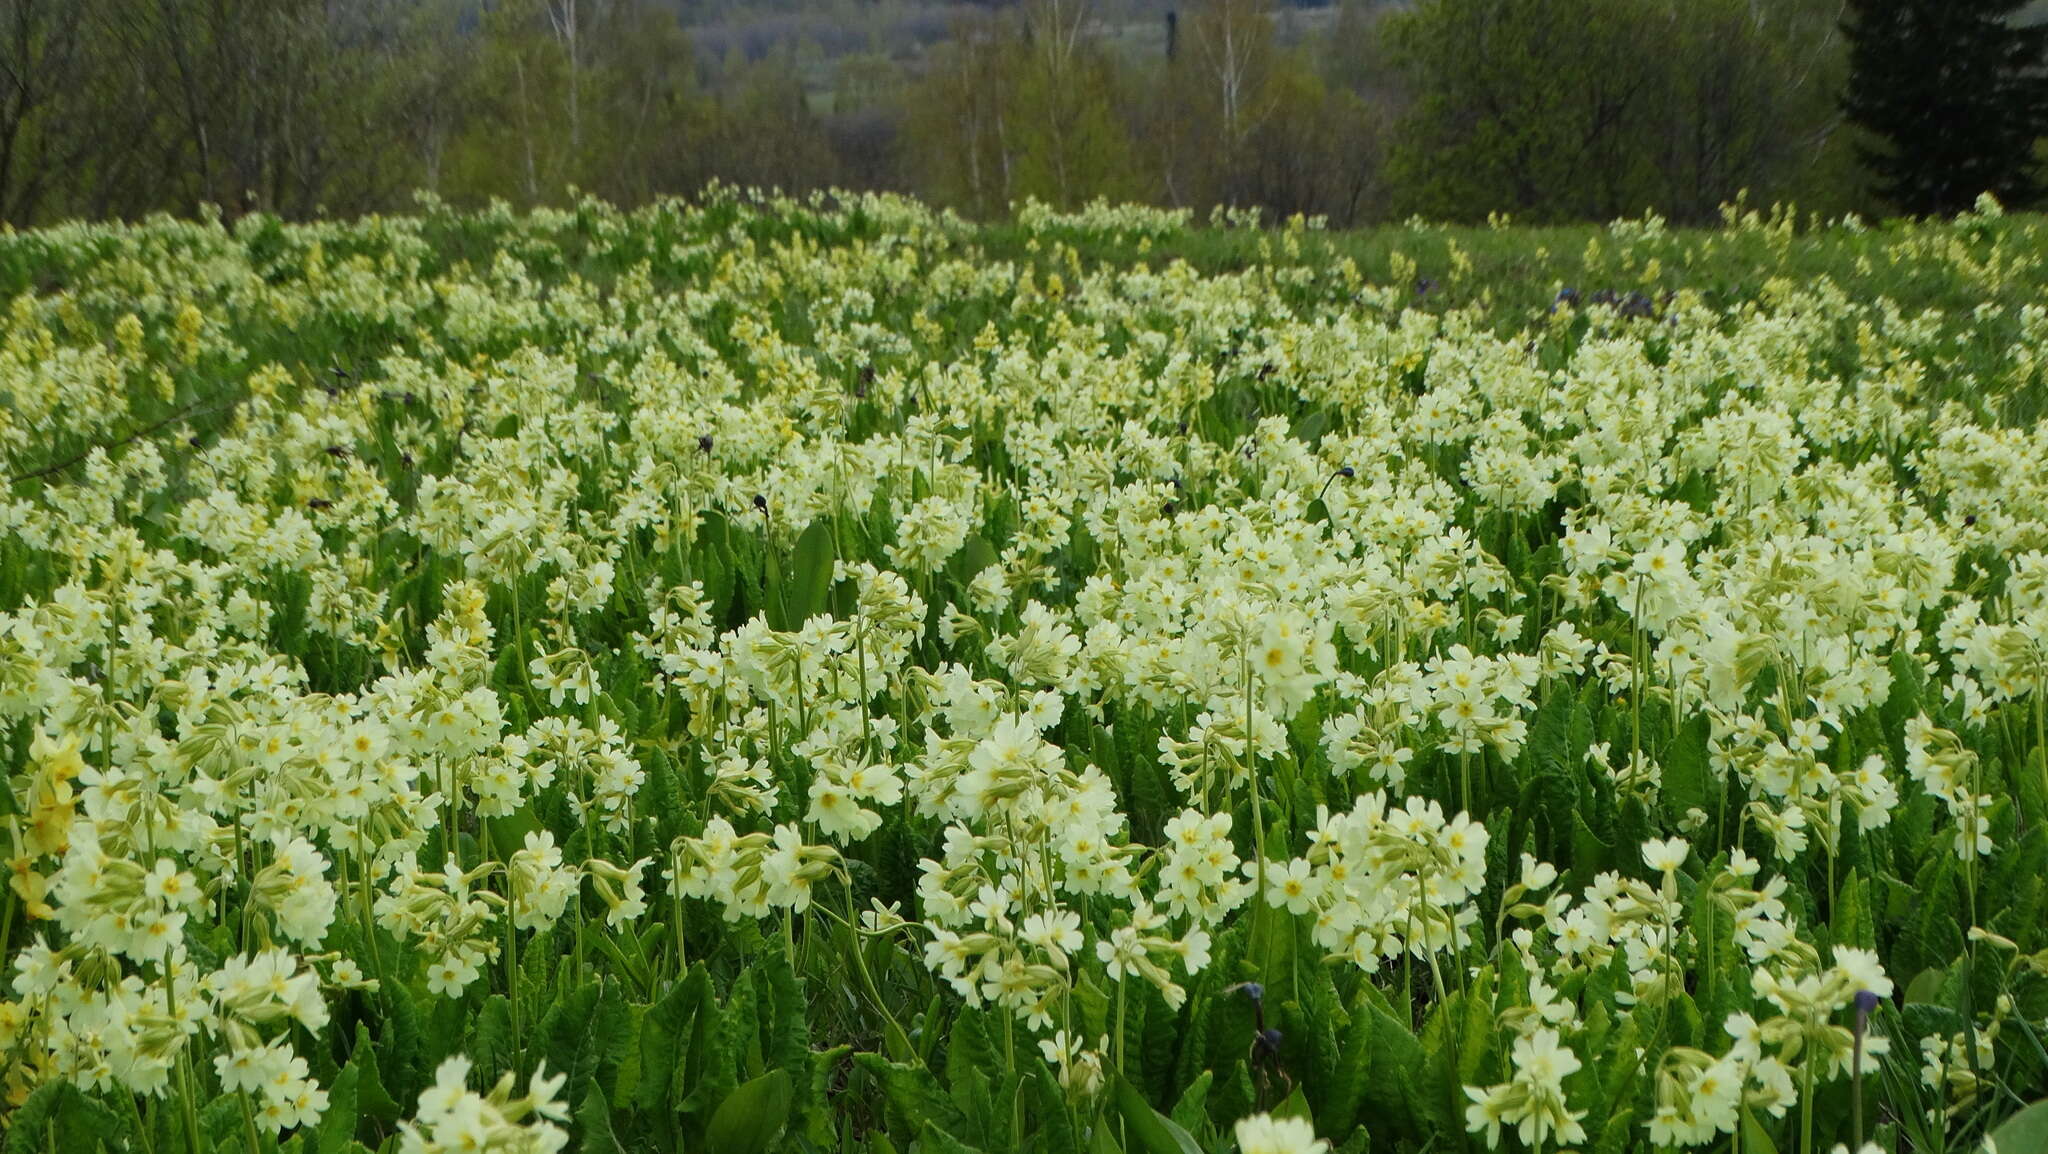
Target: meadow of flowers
[[753, 675]]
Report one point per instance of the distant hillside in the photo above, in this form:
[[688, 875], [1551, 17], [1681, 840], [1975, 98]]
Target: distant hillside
[[903, 29]]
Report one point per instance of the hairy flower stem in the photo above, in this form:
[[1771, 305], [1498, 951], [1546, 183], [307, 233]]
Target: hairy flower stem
[[2041, 736], [1251, 761], [1806, 1106], [1120, 986], [249, 1123], [512, 949], [1635, 679], [1465, 780], [896, 1034]]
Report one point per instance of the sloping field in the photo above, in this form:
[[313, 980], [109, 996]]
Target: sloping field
[[755, 676]]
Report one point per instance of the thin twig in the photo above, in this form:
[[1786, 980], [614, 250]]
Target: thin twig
[[193, 409]]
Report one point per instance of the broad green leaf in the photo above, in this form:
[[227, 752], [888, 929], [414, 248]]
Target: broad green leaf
[[1094, 1006], [1548, 750], [1148, 1129], [1618, 1066], [809, 572], [1310, 426], [975, 1099], [2026, 1130], [490, 1044], [726, 1038], [398, 1040], [1589, 853], [1926, 987], [508, 833], [621, 950], [969, 1047], [751, 1116], [977, 555], [711, 561], [1756, 1139], [1295, 1106], [1480, 1035]]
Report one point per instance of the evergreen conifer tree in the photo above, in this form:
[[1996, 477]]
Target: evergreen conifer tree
[[1956, 91]]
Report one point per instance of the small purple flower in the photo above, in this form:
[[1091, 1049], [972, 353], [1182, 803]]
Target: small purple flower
[[1866, 1004]]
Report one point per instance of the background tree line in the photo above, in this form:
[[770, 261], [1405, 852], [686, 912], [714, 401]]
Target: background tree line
[[1543, 109]]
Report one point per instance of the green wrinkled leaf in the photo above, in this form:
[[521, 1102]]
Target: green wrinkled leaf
[[372, 1099], [584, 1036], [337, 1129], [1852, 925], [59, 1118], [1687, 781], [912, 1092], [1619, 1135], [668, 1031], [1056, 1129], [1192, 1110], [593, 1122], [725, 1043]]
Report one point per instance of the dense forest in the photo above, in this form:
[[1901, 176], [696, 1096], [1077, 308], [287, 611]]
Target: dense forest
[[1540, 110]]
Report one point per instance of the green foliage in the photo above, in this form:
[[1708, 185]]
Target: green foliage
[[1604, 108], [1543, 109], [58, 1118]]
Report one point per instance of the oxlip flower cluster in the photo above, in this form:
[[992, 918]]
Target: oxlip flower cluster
[[453, 1118], [1077, 636]]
